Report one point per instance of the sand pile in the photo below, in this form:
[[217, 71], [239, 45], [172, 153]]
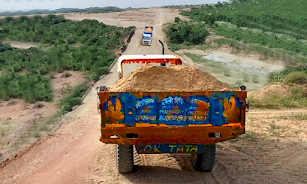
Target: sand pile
[[173, 78], [281, 90]]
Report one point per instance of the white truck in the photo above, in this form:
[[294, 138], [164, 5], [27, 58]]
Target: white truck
[[147, 35]]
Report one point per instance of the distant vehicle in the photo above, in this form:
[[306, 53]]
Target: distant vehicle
[[147, 35]]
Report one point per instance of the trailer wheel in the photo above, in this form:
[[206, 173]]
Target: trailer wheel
[[124, 158], [204, 162]]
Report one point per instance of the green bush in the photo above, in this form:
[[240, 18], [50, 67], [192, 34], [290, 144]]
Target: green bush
[[280, 76], [74, 99], [43, 70], [29, 87], [177, 19], [298, 77], [255, 79], [188, 33], [16, 68], [174, 47]]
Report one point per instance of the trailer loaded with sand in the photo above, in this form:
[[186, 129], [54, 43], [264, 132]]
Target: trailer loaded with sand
[[169, 109]]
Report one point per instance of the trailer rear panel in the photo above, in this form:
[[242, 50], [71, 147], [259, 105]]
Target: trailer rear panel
[[171, 117]]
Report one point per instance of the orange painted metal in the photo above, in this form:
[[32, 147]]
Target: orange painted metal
[[170, 135], [148, 133]]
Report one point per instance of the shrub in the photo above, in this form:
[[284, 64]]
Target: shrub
[[177, 19], [173, 47], [255, 79], [16, 68], [42, 70], [298, 77], [179, 33], [74, 99]]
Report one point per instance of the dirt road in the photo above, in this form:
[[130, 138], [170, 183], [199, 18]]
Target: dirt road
[[266, 154]]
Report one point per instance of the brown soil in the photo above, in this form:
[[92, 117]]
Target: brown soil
[[148, 29], [171, 78], [19, 120], [21, 45], [62, 83], [281, 90]]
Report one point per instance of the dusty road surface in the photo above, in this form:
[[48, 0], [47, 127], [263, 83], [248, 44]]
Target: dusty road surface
[[274, 149]]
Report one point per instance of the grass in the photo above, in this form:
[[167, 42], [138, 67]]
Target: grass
[[227, 73], [280, 76], [216, 66], [239, 82], [298, 77], [297, 117], [251, 136], [37, 135], [266, 52], [74, 99], [274, 129], [295, 100], [278, 16], [245, 77], [265, 39], [255, 79], [4, 129]]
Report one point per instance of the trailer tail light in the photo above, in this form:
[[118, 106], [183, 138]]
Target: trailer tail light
[[113, 137], [216, 135]]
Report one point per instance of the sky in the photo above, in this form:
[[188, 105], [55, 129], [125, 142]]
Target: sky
[[16, 5]]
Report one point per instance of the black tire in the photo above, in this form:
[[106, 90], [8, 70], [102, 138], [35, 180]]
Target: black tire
[[204, 162], [124, 158]]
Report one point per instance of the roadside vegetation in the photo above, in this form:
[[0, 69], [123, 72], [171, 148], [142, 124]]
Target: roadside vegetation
[[261, 26], [86, 46], [185, 33], [296, 79], [273, 29], [57, 45]]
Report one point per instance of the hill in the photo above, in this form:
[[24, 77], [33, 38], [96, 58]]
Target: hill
[[268, 15], [64, 10]]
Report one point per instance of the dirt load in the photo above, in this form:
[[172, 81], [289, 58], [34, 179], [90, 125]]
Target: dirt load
[[172, 78], [270, 90], [148, 29]]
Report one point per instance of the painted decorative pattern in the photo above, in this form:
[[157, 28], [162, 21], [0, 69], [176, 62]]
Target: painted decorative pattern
[[214, 109]]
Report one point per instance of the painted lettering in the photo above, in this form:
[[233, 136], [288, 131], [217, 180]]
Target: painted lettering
[[145, 118], [188, 148], [172, 146], [180, 148], [147, 148], [194, 149], [145, 102], [174, 112], [171, 100], [172, 118], [156, 148], [197, 118]]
